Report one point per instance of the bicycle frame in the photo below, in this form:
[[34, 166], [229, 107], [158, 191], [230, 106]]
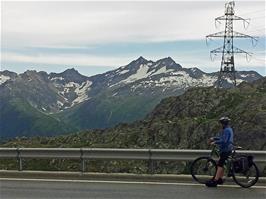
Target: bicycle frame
[[228, 163]]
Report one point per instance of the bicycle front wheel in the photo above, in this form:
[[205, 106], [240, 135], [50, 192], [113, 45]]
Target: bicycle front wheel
[[247, 178], [203, 169]]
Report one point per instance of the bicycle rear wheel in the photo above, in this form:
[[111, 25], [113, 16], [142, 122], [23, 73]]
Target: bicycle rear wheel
[[203, 169], [248, 178]]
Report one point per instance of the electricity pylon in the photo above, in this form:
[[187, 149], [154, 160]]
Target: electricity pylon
[[228, 49]]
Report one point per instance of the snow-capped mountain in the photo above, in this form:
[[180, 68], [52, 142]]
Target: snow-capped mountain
[[145, 77], [125, 94], [72, 86], [60, 91]]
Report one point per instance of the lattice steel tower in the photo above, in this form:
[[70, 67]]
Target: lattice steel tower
[[228, 49]]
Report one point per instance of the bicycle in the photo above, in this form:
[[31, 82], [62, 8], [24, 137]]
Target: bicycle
[[204, 168]]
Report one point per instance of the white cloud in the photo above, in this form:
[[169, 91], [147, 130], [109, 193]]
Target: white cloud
[[66, 59], [79, 23]]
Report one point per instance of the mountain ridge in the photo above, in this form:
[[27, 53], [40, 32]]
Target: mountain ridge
[[125, 94]]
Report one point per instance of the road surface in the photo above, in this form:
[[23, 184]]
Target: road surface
[[76, 189]]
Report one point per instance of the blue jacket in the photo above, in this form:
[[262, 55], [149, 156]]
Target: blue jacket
[[225, 140]]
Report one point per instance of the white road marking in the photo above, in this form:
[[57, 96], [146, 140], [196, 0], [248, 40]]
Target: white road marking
[[122, 182]]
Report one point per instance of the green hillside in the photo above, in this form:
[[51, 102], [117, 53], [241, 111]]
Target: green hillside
[[19, 118], [107, 111], [185, 121]]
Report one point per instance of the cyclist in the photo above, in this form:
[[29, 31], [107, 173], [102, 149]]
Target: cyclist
[[225, 143]]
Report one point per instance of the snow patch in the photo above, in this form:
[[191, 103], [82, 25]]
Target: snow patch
[[207, 80], [184, 80], [57, 78], [162, 70], [140, 74], [66, 90], [4, 78], [231, 81], [115, 94], [245, 75], [178, 79], [182, 73], [82, 92], [238, 81], [123, 72], [60, 104], [193, 70], [71, 85]]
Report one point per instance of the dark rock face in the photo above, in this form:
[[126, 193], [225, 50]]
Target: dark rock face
[[69, 75]]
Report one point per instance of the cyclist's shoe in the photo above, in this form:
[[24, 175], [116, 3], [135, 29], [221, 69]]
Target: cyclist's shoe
[[211, 183], [220, 181]]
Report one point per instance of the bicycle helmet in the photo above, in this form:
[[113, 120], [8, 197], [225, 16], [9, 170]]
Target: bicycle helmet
[[224, 120]]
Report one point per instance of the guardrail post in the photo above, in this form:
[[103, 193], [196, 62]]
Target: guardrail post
[[82, 161], [150, 163], [20, 166]]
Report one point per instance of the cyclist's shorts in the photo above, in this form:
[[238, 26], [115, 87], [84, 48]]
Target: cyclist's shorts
[[223, 157]]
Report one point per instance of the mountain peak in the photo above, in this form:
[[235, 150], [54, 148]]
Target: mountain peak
[[136, 63], [141, 60], [8, 73], [69, 75], [169, 63], [166, 59], [71, 71], [29, 73]]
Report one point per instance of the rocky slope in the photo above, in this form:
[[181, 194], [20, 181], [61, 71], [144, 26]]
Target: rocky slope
[[184, 121]]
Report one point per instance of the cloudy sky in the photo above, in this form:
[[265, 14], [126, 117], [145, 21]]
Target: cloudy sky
[[95, 37]]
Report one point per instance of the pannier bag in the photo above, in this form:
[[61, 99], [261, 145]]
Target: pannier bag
[[242, 164]]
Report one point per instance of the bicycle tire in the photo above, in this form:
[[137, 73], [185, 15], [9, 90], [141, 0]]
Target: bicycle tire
[[253, 182], [198, 176]]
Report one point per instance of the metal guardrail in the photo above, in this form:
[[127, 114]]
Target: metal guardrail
[[113, 154]]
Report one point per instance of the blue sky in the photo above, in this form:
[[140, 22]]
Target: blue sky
[[95, 37]]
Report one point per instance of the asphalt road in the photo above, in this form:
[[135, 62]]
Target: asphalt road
[[10, 188]]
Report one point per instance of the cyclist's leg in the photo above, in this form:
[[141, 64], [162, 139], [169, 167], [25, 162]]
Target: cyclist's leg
[[220, 166], [220, 171]]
